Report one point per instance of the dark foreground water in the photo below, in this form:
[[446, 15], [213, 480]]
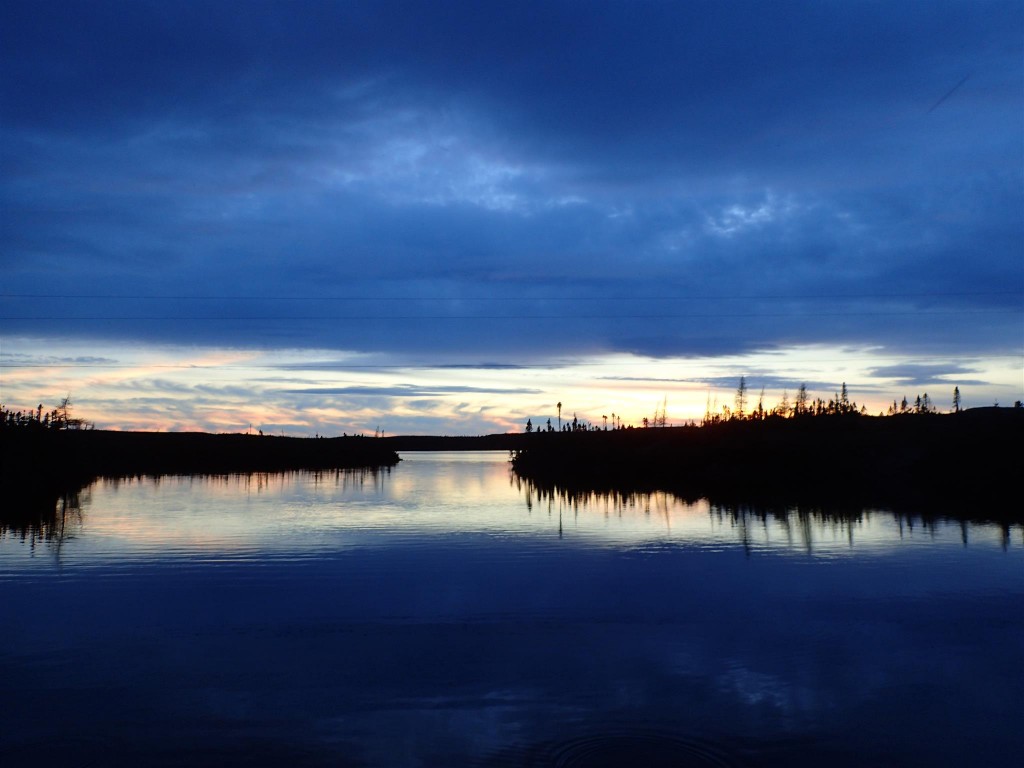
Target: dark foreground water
[[443, 614]]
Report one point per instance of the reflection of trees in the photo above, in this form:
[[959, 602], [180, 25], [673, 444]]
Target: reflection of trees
[[794, 526], [360, 479], [802, 526], [609, 503], [43, 518]]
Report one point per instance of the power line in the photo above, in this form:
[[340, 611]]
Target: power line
[[328, 366], [560, 299], [338, 318]]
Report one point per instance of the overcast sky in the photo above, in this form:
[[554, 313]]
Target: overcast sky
[[446, 217]]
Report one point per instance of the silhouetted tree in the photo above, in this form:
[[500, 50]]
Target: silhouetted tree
[[956, 399], [741, 397], [783, 407], [801, 401], [529, 426], [64, 408], [559, 407], [58, 418]]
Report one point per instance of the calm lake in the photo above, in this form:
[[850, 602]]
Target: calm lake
[[445, 613]]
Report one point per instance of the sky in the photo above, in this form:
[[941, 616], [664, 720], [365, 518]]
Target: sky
[[447, 218]]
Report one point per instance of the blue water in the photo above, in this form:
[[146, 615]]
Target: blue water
[[445, 613]]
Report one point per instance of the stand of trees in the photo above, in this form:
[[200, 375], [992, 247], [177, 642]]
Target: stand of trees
[[576, 425], [801, 406], [814, 456], [58, 418]]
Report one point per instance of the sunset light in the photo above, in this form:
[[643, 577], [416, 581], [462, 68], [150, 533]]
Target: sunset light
[[308, 392], [405, 384]]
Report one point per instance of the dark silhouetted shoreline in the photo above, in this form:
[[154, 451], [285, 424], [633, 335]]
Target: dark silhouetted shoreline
[[938, 460], [965, 464], [51, 462], [504, 442]]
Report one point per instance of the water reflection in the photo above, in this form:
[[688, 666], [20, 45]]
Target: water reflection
[[45, 519], [359, 479], [813, 529], [432, 496], [189, 517], [448, 613]]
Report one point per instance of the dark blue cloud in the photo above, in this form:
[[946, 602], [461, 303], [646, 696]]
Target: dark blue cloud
[[916, 375], [515, 183]]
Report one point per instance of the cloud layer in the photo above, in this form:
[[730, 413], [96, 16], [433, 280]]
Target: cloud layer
[[515, 183]]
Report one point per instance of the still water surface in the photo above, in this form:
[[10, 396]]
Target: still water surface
[[445, 613]]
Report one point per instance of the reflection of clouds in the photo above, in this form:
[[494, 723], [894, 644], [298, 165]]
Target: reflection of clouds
[[787, 703], [201, 515], [756, 688], [796, 690], [474, 721]]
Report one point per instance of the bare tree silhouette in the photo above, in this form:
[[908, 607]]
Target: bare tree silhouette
[[741, 398]]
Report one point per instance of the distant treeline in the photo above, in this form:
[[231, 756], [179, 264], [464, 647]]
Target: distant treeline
[[505, 442], [56, 419], [963, 458], [802, 406], [32, 454], [42, 465]]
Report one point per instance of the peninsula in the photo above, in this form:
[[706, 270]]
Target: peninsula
[[937, 460]]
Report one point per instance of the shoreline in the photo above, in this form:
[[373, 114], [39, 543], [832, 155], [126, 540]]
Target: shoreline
[[42, 461], [963, 464], [932, 461]]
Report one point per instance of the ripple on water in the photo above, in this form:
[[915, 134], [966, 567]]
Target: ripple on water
[[620, 747]]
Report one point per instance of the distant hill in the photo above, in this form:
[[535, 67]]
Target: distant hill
[[504, 442]]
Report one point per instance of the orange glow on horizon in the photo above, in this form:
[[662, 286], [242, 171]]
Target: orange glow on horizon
[[173, 389]]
